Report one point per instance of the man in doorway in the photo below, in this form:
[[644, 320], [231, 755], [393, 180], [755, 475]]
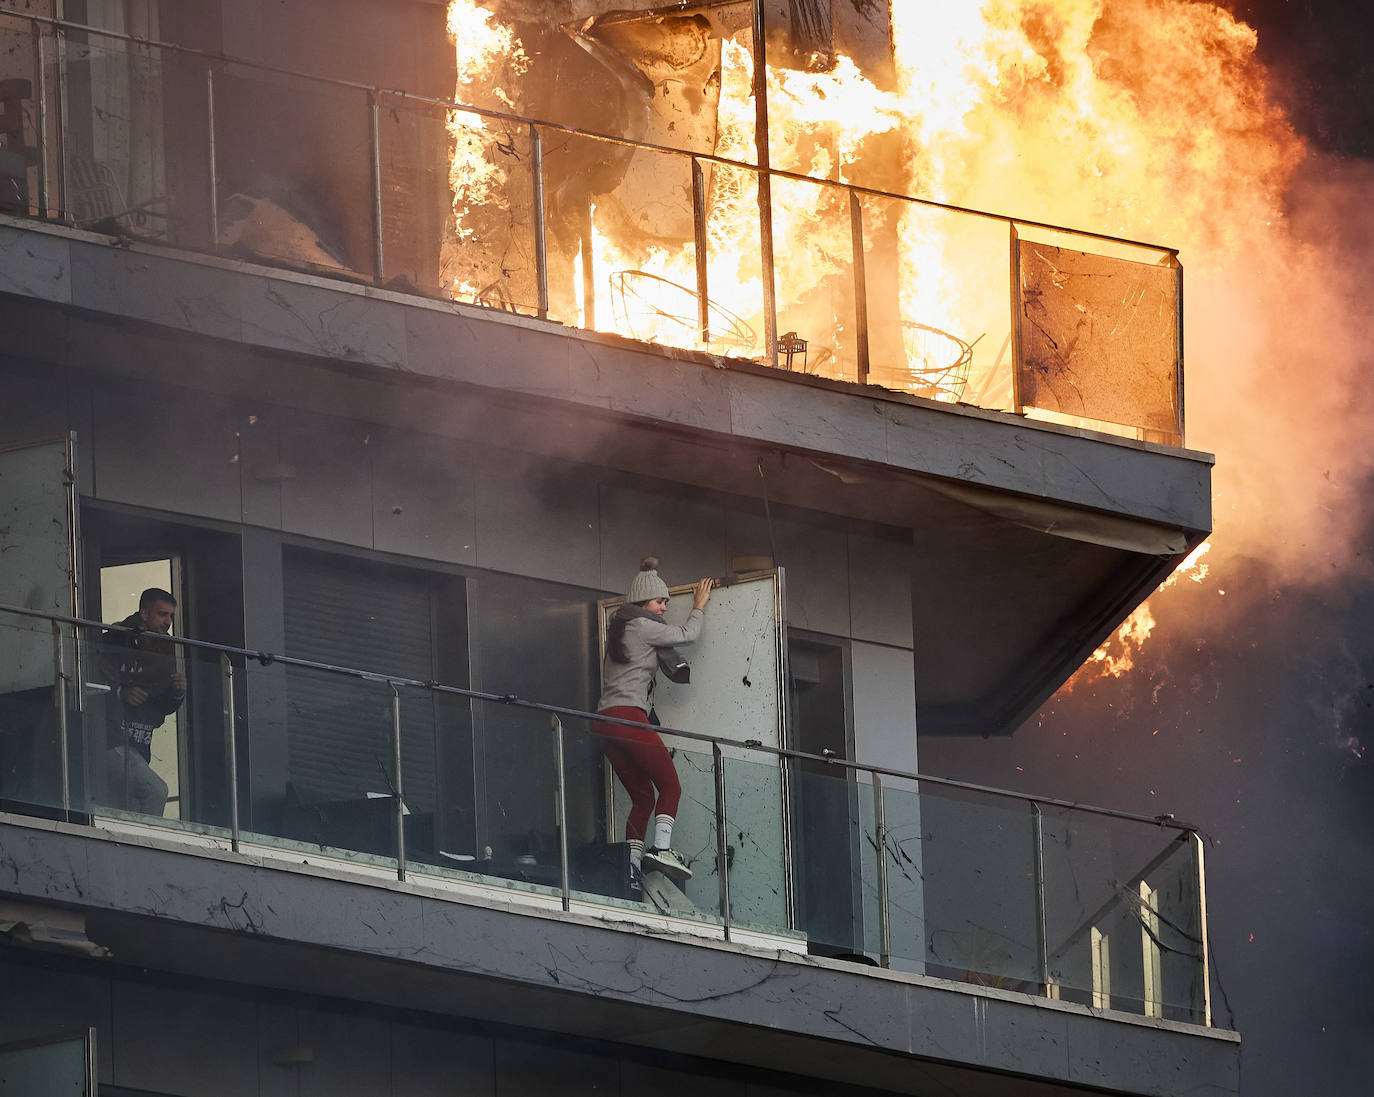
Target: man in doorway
[[145, 688]]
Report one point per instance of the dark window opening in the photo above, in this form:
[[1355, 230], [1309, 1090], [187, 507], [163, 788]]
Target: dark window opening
[[826, 861]]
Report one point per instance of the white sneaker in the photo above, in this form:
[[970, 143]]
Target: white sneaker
[[668, 863]]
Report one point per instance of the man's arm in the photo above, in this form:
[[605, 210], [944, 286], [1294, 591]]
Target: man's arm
[[169, 700]]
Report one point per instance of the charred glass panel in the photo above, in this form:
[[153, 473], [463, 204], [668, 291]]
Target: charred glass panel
[[19, 112], [412, 142], [293, 161], [734, 262], [813, 253], [114, 154], [936, 290], [638, 267], [490, 256], [976, 862], [1136, 890], [1099, 337]]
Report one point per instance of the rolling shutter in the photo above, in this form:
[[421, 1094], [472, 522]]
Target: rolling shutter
[[357, 615]]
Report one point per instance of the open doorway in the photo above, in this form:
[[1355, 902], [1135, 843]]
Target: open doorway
[[121, 585], [124, 552]]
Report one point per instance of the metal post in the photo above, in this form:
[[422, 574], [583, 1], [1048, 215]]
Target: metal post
[[770, 304], [541, 248], [561, 795], [1178, 344], [231, 746], [59, 657], [396, 781], [1202, 930], [210, 153], [41, 83], [722, 845], [1016, 347], [374, 133], [699, 233], [884, 916], [856, 235], [61, 144], [1041, 941], [588, 270]]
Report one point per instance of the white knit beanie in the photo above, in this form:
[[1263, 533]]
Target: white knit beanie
[[646, 585]]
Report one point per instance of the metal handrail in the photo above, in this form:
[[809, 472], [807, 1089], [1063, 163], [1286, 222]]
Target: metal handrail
[[67, 25], [267, 658], [538, 130], [1187, 836]]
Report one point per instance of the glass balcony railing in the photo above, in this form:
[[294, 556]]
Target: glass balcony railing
[[411, 778], [342, 180]]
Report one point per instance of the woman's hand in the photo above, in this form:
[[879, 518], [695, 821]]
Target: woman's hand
[[701, 593]]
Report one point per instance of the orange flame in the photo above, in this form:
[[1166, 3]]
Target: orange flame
[[1116, 656], [1146, 119]]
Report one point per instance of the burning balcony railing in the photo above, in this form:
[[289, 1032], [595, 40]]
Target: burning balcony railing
[[173, 145], [421, 779]]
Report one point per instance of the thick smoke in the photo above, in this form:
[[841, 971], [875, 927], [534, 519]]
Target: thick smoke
[[1249, 709], [1154, 120]]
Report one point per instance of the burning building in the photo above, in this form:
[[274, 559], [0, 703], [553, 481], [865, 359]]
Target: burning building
[[386, 339]]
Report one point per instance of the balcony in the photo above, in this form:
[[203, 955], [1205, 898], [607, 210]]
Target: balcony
[[160, 144], [494, 798]]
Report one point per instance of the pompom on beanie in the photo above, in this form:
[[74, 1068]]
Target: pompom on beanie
[[646, 585]]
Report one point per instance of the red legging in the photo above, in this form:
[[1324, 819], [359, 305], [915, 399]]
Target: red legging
[[642, 762]]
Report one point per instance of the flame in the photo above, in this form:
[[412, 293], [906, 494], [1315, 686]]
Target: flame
[[1046, 109], [1116, 656], [476, 174], [1144, 119]]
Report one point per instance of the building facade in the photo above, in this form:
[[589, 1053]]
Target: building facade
[[239, 365]]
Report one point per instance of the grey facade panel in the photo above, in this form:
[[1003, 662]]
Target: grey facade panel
[[423, 497], [309, 319], [355, 1055], [260, 465], [808, 418], [37, 1001], [680, 393], [880, 590], [687, 535], [537, 518], [35, 406], [37, 268], [814, 559], [555, 1072], [327, 489], [427, 1062], [156, 292], [884, 707], [449, 343], [159, 449], [186, 1042]]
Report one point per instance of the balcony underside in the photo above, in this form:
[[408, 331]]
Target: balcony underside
[[1029, 542]]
